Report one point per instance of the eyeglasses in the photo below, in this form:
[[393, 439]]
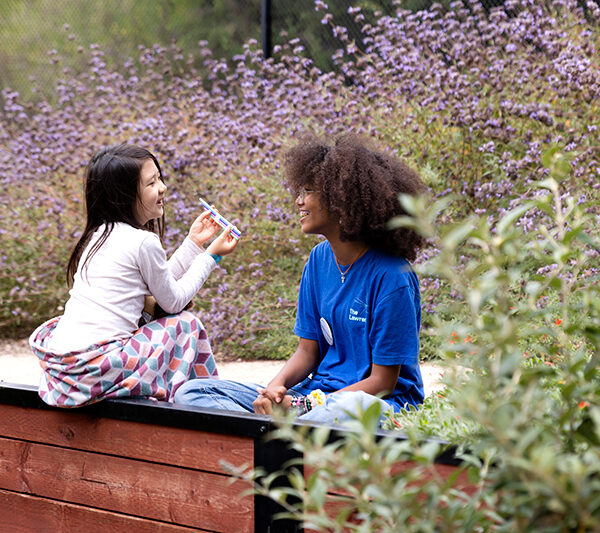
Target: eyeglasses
[[303, 193]]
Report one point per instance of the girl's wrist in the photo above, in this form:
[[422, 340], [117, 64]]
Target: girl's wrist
[[196, 243], [304, 404], [216, 257], [213, 250]]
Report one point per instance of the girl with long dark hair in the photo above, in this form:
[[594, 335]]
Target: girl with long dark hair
[[96, 349]]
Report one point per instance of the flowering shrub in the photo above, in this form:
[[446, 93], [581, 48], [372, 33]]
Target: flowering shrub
[[469, 99], [527, 427], [528, 388]]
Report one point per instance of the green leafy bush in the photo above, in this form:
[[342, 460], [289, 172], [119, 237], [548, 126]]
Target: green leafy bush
[[522, 401]]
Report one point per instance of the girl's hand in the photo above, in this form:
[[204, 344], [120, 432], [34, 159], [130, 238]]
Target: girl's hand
[[224, 244], [202, 229], [263, 406], [149, 305], [274, 393]]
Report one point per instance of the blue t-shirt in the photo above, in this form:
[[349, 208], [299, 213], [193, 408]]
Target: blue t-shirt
[[373, 317]]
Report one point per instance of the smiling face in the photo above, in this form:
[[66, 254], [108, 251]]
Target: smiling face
[[314, 218], [151, 191]]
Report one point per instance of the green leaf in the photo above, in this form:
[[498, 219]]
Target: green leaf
[[458, 234], [317, 490], [511, 217], [429, 451], [549, 183], [548, 155], [587, 430]]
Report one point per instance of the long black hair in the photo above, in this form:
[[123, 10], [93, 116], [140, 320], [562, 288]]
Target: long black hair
[[111, 190]]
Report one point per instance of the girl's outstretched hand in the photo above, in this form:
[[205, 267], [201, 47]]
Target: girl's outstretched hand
[[203, 228], [224, 244]]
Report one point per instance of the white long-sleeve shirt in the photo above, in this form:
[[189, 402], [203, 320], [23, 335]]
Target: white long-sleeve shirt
[[107, 296]]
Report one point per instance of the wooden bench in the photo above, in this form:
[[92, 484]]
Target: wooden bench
[[133, 465]]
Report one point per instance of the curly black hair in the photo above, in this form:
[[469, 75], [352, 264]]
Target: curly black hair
[[360, 186]]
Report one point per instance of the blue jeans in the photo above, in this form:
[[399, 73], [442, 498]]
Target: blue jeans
[[235, 396]]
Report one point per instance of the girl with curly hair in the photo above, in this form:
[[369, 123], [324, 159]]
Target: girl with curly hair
[[359, 312]]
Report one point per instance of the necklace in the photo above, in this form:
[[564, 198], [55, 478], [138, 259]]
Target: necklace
[[343, 274]]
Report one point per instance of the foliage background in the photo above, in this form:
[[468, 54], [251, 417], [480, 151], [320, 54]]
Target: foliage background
[[31, 29], [469, 96]]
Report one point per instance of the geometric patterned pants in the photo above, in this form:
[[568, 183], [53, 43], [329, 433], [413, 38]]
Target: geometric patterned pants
[[154, 362]]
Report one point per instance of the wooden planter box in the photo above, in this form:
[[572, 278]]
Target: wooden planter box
[[133, 465]]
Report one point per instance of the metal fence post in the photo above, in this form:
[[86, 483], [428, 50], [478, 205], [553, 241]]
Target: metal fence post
[[265, 24]]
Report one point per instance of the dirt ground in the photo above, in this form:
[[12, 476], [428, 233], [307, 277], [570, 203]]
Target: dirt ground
[[19, 365]]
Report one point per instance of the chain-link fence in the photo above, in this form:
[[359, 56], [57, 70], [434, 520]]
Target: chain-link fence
[[38, 35], [34, 34], [41, 38]]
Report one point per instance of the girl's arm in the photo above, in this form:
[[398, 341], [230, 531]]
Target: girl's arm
[[201, 230], [173, 294], [182, 258], [304, 360], [382, 380]]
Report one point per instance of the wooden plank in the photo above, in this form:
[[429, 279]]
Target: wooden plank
[[154, 491], [436, 473], [177, 446], [338, 500], [21, 513], [246, 425]]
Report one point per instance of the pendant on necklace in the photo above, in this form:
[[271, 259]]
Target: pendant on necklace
[[343, 274]]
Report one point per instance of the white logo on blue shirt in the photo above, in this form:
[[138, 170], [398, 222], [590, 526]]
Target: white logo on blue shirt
[[354, 316], [358, 311]]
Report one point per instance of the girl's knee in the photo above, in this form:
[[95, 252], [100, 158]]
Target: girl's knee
[[188, 322], [346, 404], [190, 318], [350, 399], [194, 387]]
